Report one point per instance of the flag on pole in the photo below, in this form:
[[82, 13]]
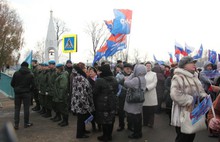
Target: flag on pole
[[160, 62], [171, 57], [177, 57], [29, 59], [122, 21], [115, 44], [179, 49], [212, 56], [201, 109], [189, 49], [100, 53], [199, 53]]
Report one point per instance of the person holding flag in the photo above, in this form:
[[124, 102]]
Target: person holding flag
[[184, 91]]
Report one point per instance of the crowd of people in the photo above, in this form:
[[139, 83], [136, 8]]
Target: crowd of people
[[99, 92]]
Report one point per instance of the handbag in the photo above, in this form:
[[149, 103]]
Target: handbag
[[186, 122], [135, 95]]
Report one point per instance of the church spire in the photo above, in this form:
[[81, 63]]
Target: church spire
[[51, 41]]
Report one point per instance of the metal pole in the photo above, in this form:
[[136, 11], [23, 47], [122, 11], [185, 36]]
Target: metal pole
[[128, 41], [70, 56]]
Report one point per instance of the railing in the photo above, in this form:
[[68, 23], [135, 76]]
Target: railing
[[5, 85]]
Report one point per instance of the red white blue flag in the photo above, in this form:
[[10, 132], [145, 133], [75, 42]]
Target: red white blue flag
[[179, 49]]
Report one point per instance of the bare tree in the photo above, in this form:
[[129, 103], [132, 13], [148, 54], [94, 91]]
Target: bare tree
[[145, 57], [38, 54], [60, 28], [11, 31], [136, 56], [98, 33]]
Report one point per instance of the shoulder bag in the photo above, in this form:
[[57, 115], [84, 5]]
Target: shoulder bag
[[135, 95]]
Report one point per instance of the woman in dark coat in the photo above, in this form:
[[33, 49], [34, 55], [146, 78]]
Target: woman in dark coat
[[105, 90]]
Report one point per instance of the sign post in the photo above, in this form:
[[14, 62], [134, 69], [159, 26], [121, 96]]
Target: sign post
[[69, 44]]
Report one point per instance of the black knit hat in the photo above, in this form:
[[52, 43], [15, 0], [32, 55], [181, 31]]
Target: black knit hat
[[106, 70], [24, 64]]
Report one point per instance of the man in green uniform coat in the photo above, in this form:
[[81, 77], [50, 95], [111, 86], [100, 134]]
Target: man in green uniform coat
[[35, 71], [60, 96], [51, 77], [43, 83]]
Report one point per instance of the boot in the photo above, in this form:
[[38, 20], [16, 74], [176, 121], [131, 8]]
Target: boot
[[55, 117], [65, 122], [61, 121], [58, 118], [42, 111], [94, 129], [48, 114], [36, 108]]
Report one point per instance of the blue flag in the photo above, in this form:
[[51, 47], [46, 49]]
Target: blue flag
[[212, 56], [199, 54], [29, 59], [201, 109], [177, 57], [158, 61], [122, 21], [114, 47]]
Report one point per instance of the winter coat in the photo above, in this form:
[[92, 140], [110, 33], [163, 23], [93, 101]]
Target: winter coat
[[52, 75], [150, 95], [61, 83], [105, 90], [183, 92], [133, 82], [23, 81], [43, 82], [82, 97], [160, 80]]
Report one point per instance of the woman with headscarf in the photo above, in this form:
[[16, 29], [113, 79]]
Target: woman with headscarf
[[105, 90], [134, 110]]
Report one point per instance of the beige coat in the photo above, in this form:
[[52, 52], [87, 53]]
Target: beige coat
[[151, 95], [182, 92]]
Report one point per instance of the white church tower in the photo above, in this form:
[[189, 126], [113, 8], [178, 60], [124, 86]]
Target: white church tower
[[51, 49]]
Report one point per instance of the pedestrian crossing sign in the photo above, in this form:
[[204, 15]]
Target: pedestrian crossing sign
[[69, 43]]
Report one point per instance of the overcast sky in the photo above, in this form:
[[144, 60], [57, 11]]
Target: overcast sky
[[156, 24]]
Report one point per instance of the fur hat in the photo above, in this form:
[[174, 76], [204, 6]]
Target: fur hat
[[186, 60]]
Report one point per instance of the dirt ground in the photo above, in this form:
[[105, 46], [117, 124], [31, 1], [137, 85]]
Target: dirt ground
[[44, 130]]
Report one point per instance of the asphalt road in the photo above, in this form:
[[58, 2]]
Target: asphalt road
[[44, 130]]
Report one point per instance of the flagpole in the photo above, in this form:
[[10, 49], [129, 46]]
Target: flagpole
[[128, 42]]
